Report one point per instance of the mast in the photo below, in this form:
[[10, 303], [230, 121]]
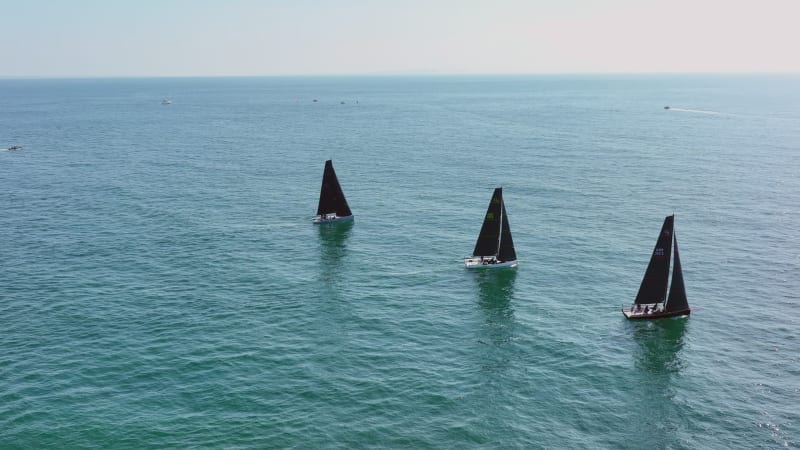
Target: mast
[[331, 196], [500, 234], [656, 278], [488, 242], [676, 301]]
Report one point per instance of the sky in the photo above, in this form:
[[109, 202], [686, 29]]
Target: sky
[[110, 38]]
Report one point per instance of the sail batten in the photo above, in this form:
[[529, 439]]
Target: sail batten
[[331, 196], [656, 278]]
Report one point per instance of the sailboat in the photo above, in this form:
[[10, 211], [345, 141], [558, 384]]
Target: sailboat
[[653, 301], [332, 204], [494, 247]]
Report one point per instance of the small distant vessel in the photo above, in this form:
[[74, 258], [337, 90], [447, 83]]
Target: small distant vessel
[[666, 107], [495, 247], [15, 148], [652, 301], [166, 101], [315, 100], [332, 204]]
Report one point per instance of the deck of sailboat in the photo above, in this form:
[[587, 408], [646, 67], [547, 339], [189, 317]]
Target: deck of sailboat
[[477, 262], [630, 314], [337, 219]]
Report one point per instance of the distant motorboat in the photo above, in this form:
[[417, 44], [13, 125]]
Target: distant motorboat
[[666, 107], [15, 148], [166, 101]]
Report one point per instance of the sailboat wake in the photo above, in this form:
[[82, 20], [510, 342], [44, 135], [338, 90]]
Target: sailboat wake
[[701, 111]]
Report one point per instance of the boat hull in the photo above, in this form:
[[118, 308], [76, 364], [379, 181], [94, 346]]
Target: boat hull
[[629, 314], [477, 263], [321, 220]]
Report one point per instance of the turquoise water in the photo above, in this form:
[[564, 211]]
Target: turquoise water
[[162, 284]]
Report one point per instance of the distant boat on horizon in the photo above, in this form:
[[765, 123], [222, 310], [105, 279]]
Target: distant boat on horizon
[[332, 206], [166, 101], [15, 148], [666, 107], [652, 300], [494, 247]]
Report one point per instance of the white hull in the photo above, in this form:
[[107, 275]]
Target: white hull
[[330, 218], [484, 263]]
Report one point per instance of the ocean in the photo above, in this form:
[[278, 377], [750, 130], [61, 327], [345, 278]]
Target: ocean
[[162, 285]]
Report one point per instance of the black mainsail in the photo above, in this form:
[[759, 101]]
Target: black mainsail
[[494, 238], [489, 237], [331, 197], [676, 301], [654, 284]]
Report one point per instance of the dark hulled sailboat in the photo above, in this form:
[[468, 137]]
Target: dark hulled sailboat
[[332, 204], [652, 300], [495, 247]]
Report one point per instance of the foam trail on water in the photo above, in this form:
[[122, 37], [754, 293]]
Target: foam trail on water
[[700, 111]]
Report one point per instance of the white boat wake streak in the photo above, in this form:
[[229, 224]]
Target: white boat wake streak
[[700, 111]]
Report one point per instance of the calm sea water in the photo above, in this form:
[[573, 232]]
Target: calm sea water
[[162, 284]]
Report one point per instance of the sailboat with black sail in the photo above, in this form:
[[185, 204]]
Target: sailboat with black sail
[[495, 247], [332, 204], [653, 301]]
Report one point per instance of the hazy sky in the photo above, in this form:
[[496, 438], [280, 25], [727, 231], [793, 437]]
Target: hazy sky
[[271, 37]]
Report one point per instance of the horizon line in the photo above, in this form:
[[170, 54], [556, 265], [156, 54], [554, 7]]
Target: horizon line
[[401, 74]]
